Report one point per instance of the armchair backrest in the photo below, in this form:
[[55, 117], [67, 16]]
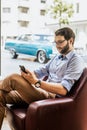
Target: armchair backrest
[[79, 95]]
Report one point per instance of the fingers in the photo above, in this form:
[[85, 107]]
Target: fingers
[[28, 72], [27, 75]]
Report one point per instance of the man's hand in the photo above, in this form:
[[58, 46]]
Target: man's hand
[[29, 76]]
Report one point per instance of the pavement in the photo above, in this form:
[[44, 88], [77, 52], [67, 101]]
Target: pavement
[[5, 125]]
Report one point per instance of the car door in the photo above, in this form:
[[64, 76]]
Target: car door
[[25, 45]]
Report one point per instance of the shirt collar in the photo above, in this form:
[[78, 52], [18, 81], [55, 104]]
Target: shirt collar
[[68, 56]]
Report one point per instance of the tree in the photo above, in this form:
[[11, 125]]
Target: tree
[[61, 10]]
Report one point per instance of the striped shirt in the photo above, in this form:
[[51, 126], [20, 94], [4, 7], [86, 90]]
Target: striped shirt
[[64, 70]]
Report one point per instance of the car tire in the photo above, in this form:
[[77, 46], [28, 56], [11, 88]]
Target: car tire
[[13, 54], [41, 57]]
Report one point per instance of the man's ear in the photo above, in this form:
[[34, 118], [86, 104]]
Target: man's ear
[[71, 40]]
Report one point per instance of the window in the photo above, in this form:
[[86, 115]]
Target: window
[[42, 12], [23, 23], [6, 10], [23, 9], [77, 7], [43, 1], [26, 37]]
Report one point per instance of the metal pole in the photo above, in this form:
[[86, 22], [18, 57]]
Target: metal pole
[[0, 38]]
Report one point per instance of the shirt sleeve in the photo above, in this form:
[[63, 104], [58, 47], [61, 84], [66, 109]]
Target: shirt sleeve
[[73, 72], [43, 71]]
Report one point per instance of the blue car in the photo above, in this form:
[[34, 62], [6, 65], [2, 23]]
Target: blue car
[[37, 45]]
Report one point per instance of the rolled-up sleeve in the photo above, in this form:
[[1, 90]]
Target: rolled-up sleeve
[[67, 84], [73, 73]]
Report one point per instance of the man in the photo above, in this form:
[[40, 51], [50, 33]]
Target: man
[[62, 71]]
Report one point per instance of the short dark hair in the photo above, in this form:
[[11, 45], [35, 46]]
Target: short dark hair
[[66, 32]]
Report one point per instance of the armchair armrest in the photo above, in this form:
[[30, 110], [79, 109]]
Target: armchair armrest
[[48, 113]]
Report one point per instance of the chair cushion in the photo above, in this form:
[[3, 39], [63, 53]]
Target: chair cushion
[[16, 116]]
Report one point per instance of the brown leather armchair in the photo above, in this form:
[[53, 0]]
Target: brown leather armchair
[[66, 113]]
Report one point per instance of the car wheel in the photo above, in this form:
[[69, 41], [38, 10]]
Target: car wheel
[[13, 54], [41, 57]]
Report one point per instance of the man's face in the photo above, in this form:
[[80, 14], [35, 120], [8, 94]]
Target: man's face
[[63, 46]]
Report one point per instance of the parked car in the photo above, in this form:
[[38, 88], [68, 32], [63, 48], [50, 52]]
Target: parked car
[[37, 45]]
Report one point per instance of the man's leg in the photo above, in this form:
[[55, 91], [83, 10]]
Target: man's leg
[[2, 112], [27, 92], [15, 89], [5, 97]]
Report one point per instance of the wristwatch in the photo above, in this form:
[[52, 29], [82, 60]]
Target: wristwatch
[[38, 84]]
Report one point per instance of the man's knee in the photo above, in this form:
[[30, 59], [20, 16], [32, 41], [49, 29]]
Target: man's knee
[[8, 82], [2, 98], [12, 76]]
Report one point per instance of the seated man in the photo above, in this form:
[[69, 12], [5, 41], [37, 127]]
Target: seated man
[[62, 71]]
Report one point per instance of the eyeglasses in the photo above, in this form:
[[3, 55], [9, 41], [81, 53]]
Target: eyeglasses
[[60, 42]]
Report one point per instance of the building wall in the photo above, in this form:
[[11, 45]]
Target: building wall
[[14, 19]]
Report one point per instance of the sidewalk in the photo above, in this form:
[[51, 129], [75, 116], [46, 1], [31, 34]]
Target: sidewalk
[[5, 125]]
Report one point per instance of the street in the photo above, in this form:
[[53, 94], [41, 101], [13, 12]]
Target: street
[[9, 66]]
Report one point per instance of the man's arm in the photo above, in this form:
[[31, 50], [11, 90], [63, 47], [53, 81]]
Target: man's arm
[[55, 88]]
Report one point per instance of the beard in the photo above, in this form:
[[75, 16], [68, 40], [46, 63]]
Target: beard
[[65, 49]]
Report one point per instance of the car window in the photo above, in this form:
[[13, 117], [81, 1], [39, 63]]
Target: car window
[[37, 38], [26, 37], [48, 38]]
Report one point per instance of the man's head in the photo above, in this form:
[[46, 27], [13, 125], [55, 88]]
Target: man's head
[[64, 39]]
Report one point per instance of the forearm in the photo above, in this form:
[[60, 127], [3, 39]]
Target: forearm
[[55, 88]]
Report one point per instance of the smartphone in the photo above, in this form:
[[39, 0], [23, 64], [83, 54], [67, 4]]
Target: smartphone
[[22, 68]]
